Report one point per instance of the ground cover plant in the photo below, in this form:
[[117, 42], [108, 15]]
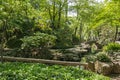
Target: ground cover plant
[[35, 71], [112, 47]]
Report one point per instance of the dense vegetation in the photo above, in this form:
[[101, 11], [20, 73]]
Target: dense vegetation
[[89, 20], [29, 71], [40, 28]]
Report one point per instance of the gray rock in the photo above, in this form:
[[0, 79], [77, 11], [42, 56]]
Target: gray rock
[[116, 67], [91, 66], [103, 68]]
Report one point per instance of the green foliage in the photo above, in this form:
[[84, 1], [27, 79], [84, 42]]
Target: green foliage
[[103, 57], [89, 58], [64, 38], [75, 39], [21, 18], [100, 56], [109, 14], [105, 34], [38, 40], [30, 71], [112, 47], [14, 43], [16, 20]]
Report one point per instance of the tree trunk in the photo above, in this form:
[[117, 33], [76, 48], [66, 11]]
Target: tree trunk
[[1, 51], [75, 31], [1, 48], [116, 33], [53, 18], [59, 15], [81, 32], [66, 10], [3, 40]]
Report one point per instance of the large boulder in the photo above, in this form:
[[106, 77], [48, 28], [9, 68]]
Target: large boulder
[[91, 66], [116, 67], [116, 62], [117, 42], [73, 54], [71, 57], [86, 47], [103, 68], [70, 54], [77, 51]]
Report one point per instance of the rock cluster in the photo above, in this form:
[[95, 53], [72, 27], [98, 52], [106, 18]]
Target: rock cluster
[[105, 68]]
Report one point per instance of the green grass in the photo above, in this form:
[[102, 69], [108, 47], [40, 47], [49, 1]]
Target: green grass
[[35, 71]]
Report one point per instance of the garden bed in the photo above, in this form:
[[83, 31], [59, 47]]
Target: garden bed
[[37, 71]]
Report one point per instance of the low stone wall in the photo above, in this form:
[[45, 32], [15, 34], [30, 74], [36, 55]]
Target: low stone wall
[[104, 67], [44, 61], [107, 68], [98, 67]]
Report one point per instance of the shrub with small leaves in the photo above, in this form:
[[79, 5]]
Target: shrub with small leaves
[[38, 40], [112, 47], [103, 57], [89, 58]]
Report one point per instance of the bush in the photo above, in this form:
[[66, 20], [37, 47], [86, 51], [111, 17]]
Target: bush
[[37, 45], [38, 40], [112, 47], [89, 58], [75, 39], [64, 38], [14, 43], [103, 57]]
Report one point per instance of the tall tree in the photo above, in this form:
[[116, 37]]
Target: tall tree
[[85, 10], [110, 15]]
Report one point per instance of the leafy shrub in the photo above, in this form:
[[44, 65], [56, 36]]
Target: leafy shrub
[[103, 57], [30, 71], [38, 40], [14, 43], [37, 45], [75, 39], [106, 34], [112, 47], [89, 58], [64, 38]]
